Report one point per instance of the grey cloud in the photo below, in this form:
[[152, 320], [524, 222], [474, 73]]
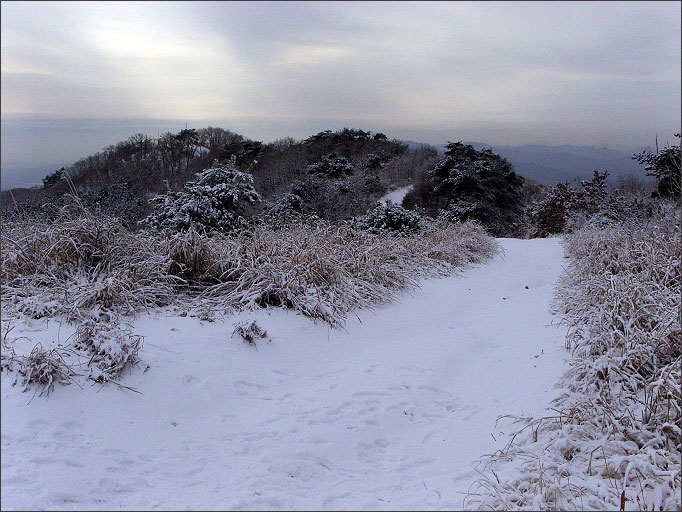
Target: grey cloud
[[499, 72]]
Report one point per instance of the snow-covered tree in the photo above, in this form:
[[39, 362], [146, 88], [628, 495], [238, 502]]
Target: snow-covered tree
[[478, 185], [331, 166], [216, 199], [665, 166]]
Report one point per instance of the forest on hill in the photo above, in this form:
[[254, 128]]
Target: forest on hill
[[333, 176]]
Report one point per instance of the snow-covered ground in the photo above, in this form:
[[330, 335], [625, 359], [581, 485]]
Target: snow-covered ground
[[396, 196], [388, 413]]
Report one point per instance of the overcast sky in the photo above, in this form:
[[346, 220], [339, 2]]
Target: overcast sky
[[78, 76]]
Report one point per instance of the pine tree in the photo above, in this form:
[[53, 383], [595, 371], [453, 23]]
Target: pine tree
[[665, 166], [478, 185], [217, 199]]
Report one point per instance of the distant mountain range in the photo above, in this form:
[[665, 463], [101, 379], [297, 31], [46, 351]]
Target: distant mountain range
[[552, 164]]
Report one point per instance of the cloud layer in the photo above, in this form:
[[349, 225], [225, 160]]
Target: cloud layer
[[507, 73]]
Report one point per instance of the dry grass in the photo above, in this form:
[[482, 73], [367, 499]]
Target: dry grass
[[84, 266], [328, 271], [109, 347], [82, 263], [42, 368], [615, 439], [250, 331], [90, 269]]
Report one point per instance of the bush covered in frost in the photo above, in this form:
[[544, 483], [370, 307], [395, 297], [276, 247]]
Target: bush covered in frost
[[287, 209], [392, 219], [564, 208], [216, 200]]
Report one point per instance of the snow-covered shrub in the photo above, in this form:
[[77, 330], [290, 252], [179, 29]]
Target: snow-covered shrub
[[333, 200], [549, 215], [615, 439], [286, 210], [109, 347], [565, 209], [331, 166], [216, 200], [375, 161], [116, 200], [392, 219]]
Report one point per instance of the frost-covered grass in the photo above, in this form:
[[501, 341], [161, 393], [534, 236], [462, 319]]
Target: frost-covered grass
[[41, 368], [327, 271], [91, 270], [81, 265], [614, 439], [84, 266]]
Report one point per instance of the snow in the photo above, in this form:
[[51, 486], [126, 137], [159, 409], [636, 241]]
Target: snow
[[396, 196], [388, 413], [200, 150]]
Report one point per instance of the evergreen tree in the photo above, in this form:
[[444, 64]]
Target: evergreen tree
[[331, 166], [477, 185], [217, 199], [51, 179], [665, 166]]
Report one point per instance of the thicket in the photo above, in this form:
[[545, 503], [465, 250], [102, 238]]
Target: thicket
[[563, 208], [140, 167], [392, 219], [217, 199]]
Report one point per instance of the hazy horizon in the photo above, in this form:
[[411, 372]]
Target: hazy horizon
[[56, 136], [79, 76]]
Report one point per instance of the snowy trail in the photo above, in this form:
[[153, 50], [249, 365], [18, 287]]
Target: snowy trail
[[389, 413], [396, 196]]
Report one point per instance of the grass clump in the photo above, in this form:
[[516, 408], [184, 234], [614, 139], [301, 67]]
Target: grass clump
[[250, 331], [42, 368], [82, 262], [110, 348], [326, 271]]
